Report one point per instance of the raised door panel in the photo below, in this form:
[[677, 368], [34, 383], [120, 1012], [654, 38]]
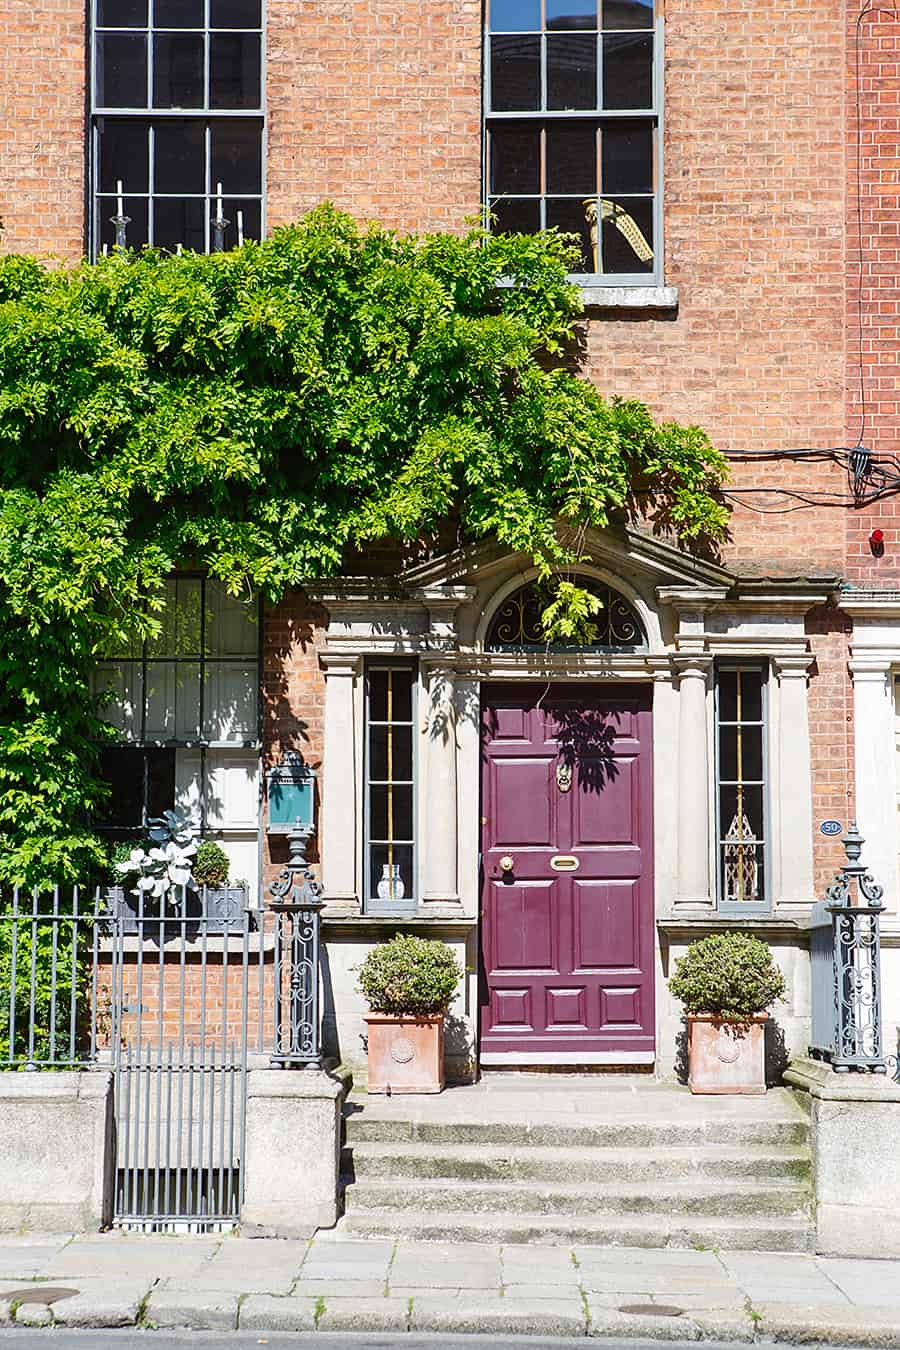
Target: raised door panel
[[605, 926], [523, 811], [522, 922]]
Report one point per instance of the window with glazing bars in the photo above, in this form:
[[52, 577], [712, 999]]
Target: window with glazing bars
[[390, 849], [742, 835], [572, 128], [185, 706], [177, 122]]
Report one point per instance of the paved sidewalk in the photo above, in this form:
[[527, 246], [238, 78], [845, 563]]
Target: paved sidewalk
[[336, 1283]]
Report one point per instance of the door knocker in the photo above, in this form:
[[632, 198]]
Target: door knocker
[[563, 775]]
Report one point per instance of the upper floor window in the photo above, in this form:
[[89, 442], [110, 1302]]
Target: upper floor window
[[177, 122], [572, 110]]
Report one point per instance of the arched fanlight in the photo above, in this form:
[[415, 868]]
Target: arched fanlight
[[517, 622]]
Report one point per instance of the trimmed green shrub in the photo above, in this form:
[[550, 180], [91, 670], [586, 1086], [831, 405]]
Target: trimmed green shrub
[[731, 975], [409, 976], [210, 865]]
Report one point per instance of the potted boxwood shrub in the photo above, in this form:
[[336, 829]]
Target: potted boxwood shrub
[[726, 983], [408, 983], [222, 904]]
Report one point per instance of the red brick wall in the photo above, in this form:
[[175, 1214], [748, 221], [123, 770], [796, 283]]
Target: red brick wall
[[375, 105], [293, 699], [42, 127], [877, 344]]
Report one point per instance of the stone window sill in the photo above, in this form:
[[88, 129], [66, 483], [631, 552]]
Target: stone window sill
[[354, 922], [628, 297], [720, 923]]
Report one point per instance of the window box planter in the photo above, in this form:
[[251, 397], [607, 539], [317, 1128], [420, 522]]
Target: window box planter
[[406, 1054], [222, 906], [727, 1057]]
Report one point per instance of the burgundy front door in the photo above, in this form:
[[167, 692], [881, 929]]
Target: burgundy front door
[[567, 899]]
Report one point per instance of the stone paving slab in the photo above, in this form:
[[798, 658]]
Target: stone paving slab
[[103, 1303], [490, 1314], [198, 1310], [262, 1312], [23, 1258], [134, 1255], [364, 1314]]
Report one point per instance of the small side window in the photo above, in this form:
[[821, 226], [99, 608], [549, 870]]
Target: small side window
[[741, 790], [390, 848]]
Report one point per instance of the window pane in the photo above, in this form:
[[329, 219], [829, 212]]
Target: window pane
[[178, 71], [399, 857], [627, 235], [234, 71], [746, 765], [122, 13], [390, 695], [179, 220], [515, 158], [117, 686], [571, 14], [160, 781], [627, 13], [572, 71], [740, 695], [744, 825], [177, 13], [515, 16], [243, 213], [232, 623], [628, 71], [180, 619], [121, 71], [123, 770], [391, 753], [570, 216], [173, 701], [514, 216], [122, 154], [391, 812], [136, 208], [572, 157], [236, 156], [235, 14], [743, 873], [515, 74], [179, 156], [626, 151], [230, 702]]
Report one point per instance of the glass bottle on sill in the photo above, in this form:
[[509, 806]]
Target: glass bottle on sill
[[391, 887]]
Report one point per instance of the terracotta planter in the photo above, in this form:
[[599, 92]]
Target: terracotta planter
[[406, 1054], [727, 1057]]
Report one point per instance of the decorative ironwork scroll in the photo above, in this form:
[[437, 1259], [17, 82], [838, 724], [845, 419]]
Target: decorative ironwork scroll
[[517, 622], [297, 904]]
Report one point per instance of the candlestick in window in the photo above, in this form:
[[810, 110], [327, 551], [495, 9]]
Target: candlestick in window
[[219, 223], [240, 228], [120, 221]]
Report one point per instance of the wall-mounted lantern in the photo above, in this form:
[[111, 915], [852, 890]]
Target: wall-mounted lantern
[[292, 796]]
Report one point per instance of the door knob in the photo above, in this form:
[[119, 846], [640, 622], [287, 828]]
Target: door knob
[[506, 863]]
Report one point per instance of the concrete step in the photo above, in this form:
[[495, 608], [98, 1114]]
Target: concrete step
[[658, 1230], [365, 1160], [526, 1197], [647, 1132]]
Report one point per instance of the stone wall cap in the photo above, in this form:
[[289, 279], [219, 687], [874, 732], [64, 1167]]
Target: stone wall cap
[[70, 1084], [295, 1083], [820, 1081]]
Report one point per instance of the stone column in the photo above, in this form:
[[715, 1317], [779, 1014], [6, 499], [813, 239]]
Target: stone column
[[439, 832], [876, 769], [795, 813], [339, 807], [693, 782]]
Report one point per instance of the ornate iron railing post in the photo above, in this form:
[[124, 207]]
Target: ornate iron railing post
[[858, 1042], [297, 908]]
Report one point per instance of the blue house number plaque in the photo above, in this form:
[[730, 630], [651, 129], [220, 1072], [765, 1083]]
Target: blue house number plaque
[[831, 827]]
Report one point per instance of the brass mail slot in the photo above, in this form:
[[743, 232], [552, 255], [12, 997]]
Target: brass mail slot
[[564, 862]]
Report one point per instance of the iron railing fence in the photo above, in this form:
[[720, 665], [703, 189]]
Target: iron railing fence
[[845, 954]]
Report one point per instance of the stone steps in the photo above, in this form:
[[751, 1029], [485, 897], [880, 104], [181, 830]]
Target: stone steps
[[364, 1161], [637, 1171], [658, 1230]]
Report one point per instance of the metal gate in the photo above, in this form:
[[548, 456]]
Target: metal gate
[[186, 1010]]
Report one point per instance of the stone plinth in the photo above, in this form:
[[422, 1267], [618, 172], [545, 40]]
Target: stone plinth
[[291, 1161], [855, 1139], [56, 1151]]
